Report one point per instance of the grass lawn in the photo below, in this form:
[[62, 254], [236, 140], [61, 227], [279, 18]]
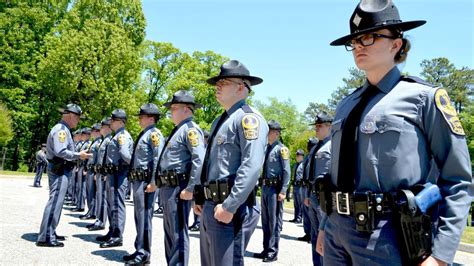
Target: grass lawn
[[468, 236], [14, 173]]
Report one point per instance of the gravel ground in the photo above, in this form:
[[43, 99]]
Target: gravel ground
[[22, 206]]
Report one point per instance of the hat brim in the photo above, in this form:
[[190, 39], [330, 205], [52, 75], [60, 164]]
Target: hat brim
[[253, 80], [403, 26], [63, 111], [196, 105]]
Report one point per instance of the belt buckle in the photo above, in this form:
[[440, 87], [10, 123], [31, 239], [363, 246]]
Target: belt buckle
[[344, 209], [207, 193]]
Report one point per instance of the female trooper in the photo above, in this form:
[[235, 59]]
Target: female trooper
[[384, 137]]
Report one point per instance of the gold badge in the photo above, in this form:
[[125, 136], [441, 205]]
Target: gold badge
[[443, 103], [285, 153], [193, 137], [121, 139], [155, 139], [250, 124], [62, 136]]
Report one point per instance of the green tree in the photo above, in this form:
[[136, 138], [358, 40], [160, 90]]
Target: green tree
[[314, 109], [6, 131]]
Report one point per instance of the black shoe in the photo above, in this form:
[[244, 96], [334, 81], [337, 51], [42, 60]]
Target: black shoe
[[129, 257], [52, 244], [113, 242], [195, 228], [103, 238], [90, 225], [298, 221], [96, 228], [70, 204], [77, 210], [292, 221], [159, 210], [87, 217], [270, 258], [138, 261], [60, 238], [306, 238], [260, 255]]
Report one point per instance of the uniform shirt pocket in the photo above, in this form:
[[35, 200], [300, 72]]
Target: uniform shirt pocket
[[380, 136]]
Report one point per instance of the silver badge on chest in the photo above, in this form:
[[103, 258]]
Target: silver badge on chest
[[220, 140], [369, 124]]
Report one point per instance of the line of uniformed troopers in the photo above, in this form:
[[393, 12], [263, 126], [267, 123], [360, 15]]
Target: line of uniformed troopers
[[244, 151]]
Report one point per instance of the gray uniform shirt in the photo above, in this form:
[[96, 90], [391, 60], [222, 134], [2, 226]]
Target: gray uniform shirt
[[119, 150], [60, 143], [278, 164], [185, 152], [398, 136], [102, 149], [238, 151], [41, 157], [148, 149], [94, 149]]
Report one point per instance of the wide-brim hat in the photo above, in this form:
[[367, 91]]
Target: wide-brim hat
[[322, 117], [373, 15], [235, 69], [274, 125], [149, 109], [119, 114], [184, 97], [72, 108]]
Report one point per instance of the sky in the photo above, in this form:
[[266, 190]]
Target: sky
[[286, 42]]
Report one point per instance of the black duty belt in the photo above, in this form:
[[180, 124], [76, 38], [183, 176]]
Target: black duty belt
[[111, 169], [217, 190], [173, 178], [297, 183], [271, 182], [139, 174], [349, 203]]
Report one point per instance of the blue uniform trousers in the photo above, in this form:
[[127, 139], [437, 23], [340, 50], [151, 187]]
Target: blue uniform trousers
[[315, 214], [297, 202], [143, 210], [101, 209], [272, 219], [305, 212], [39, 174], [175, 224], [52, 212], [343, 245], [250, 223], [222, 244], [80, 188], [72, 185], [90, 192], [116, 201]]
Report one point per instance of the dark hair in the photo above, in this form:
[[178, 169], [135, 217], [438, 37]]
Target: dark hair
[[402, 54]]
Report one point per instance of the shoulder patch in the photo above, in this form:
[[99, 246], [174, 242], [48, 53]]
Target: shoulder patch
[[250, 124], [193, 137], [155, 138], [62, 136], [285, 153], [443, 103], [121, 139]]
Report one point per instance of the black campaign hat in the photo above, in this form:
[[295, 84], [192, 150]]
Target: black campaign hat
[[182, 96], [149, 109], [72, 108], [373, 15], [86, 130], [96, 126], [106, 121], [322, 117], [272, 124], [300, 152], [119, 114], [235, 69]]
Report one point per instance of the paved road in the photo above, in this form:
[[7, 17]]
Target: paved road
[[21, 208]]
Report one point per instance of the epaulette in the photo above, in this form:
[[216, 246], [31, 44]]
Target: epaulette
[[247, 108], [414, 79]]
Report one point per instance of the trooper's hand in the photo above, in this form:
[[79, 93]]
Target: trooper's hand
[[431, 261], [306, 202], [150, 188], [186, 195], [197, 209], [222, 215], [281, 196], [84, 155], [320, 243]]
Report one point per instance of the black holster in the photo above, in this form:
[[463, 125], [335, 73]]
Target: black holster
[[323, 191], [60, 166], [198, 195], [415, 229]]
